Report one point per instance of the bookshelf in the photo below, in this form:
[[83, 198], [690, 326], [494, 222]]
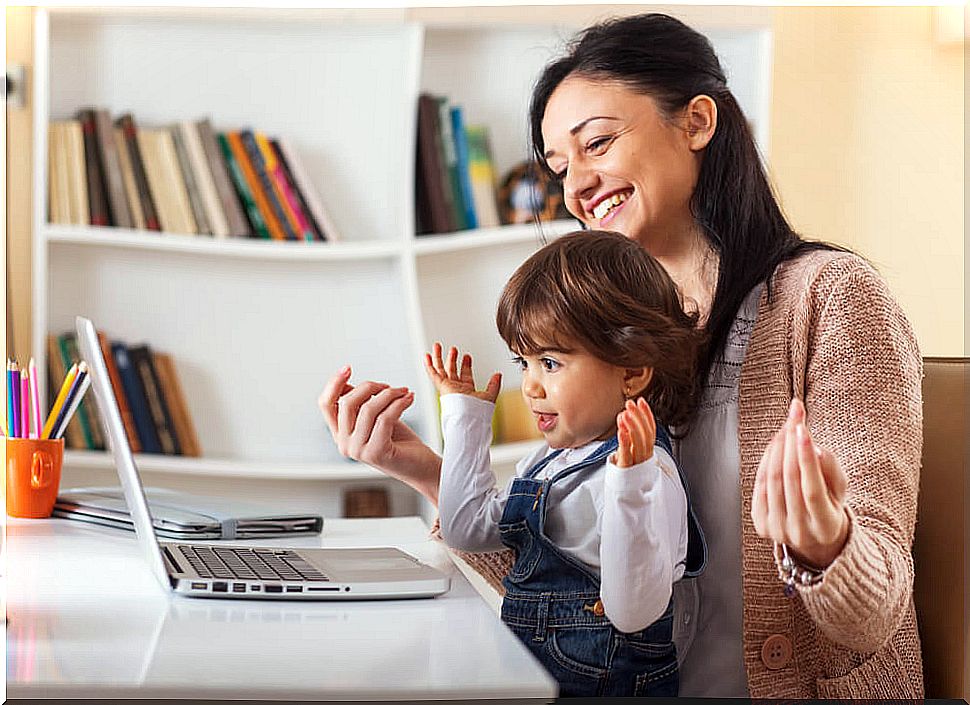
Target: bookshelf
[[256, 327]]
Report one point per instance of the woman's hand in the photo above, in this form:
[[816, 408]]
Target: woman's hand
[[799, 494], [448, 379], [636, 432], [365, 422]]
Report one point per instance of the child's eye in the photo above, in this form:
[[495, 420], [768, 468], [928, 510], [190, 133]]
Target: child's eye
[[549, 364], [519, 362]]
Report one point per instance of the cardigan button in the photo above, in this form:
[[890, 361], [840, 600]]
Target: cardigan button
[[776, 652]]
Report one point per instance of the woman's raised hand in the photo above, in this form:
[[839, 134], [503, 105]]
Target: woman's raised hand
[[636, 432], [799, 494], [365, 422], [449, 379]]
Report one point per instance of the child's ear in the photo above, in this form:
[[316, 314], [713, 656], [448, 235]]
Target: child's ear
[[635, 380]]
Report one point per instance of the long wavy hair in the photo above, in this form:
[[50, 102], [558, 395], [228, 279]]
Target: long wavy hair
[[660, 56]]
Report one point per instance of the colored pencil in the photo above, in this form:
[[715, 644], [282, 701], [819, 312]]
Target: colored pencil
[[34, 398], [59, 401], [82, 372], [15, 383], [9, 423], [80, 389], [24, 405]]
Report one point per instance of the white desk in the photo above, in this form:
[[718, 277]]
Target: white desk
[[86, 619]]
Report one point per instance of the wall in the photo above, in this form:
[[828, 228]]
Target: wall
[[867, 150]]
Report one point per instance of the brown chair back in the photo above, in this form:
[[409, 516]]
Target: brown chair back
[[940, 544]]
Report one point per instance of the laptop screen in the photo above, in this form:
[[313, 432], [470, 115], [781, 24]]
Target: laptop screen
[[118, 443]]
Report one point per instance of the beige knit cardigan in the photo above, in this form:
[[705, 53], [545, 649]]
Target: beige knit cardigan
[[830, 333]]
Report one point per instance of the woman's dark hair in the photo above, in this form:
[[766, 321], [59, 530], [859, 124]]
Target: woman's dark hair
[[660, 56], [603, 293]]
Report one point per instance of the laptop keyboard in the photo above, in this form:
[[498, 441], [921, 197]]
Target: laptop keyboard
[[251, 563]]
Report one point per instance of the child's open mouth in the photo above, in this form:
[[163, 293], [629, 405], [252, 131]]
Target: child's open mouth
[[546, 422]]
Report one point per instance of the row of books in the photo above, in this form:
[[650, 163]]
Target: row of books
[[186, 179], [455, 184], [150, 398]]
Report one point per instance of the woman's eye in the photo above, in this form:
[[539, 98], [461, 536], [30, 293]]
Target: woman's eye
[[598, 144]]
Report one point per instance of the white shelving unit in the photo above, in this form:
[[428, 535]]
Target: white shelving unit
[[257, 327]]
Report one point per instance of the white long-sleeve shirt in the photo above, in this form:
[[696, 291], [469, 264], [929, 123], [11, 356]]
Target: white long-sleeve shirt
[[627, 524]]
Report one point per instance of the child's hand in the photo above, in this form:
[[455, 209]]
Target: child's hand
[[448, 380], [636, 434]]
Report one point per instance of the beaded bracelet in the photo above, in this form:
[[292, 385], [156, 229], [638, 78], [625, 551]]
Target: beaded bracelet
[[790, 573]]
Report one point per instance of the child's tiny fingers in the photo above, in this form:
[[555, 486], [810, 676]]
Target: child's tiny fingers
[[623, 459], [466, 368], [452, 362]]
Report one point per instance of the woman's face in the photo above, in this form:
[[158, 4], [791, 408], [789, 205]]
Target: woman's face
[[624, 167]]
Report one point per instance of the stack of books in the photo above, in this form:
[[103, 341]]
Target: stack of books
[[455, 176], [186, 179], [153, 407]]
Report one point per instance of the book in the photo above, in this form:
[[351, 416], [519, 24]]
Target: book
[[128, 176], [171, 389], [242, 187], [141, 360], [88, 410], [255, 188], [214, 215], [284, 190], [127, 124], [461, 153], [481, 173], [73, 436], [180, 515], [450, 164], [127, 419], [232, 207], [273, 200], [97, 200], [432, 202], [191, 187], [300, 178], [165, 180], [111, 170], [135, 394], [57, 212], [77, 178]]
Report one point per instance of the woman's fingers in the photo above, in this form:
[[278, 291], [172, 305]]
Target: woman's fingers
[[368, 413], [835, 479], [775, 488], [383, 429], [348, 407], [816, 494], [796, 514]]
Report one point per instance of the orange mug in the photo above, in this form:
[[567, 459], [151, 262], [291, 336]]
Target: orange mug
[[33, 476]]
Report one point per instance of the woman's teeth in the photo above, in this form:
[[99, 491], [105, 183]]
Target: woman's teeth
[[607, 204]]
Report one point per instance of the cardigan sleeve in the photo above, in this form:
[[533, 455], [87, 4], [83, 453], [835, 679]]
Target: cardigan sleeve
[[863, 402]]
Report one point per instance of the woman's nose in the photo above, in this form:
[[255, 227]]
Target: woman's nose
[[579, 182]]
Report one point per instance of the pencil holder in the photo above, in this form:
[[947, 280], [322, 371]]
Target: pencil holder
[[33, 476]]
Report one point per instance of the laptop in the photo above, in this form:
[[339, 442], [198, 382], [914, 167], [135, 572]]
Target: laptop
[[250, 572]]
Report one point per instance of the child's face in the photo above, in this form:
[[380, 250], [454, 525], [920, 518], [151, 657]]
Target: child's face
[[575, 397]]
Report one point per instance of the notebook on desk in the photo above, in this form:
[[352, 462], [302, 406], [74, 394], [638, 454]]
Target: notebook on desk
[[245, 572], [177, 515]]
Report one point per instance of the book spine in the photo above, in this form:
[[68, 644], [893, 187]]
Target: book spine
[[482, 174], [464, 178], [54, 174], [127, 124], [136, 398], [291, 207], [232, 206], [242, 187], [81, 414], [178, 408], [429, 166], [97, 201], [319, 215], [269, 205], [304, 208], [73, 146], [127, 419], [128, 174], [191, 186], [88, 406], [214, 215], [111, 169], [150, 152], [141, 360], [73, 436], [450, 163], [175, 183]]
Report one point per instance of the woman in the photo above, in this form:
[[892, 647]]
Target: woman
[[803, 456]]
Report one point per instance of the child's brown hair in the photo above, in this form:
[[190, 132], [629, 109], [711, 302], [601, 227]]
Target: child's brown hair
[[604, 293]]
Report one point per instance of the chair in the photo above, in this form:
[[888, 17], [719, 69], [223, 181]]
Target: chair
[[940, 544]]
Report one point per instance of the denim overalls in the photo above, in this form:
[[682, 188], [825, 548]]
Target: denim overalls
[[552, 600]]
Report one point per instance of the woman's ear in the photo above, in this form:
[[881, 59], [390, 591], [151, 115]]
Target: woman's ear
[[701, 114], [635, 380]]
